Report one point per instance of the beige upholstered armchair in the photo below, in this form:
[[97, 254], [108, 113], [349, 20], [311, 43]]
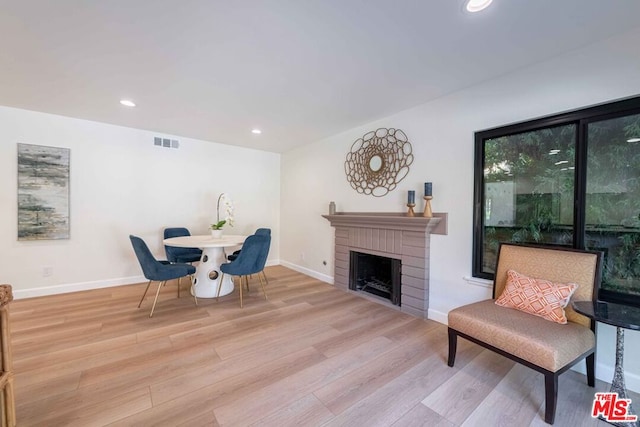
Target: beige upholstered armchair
[[541, 343]]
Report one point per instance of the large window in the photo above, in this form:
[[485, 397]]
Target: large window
[[569, 180]]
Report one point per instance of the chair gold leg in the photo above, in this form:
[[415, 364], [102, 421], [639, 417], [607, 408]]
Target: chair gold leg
[[219, 286], [145, 294], [179, 279], [240, 291], [262, 284], [160, 285], [265, 277], [193, 289]]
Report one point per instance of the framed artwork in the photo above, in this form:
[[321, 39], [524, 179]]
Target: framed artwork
[[43, 192]]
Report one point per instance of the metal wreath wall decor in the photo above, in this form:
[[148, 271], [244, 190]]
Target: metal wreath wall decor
[[378, 161]]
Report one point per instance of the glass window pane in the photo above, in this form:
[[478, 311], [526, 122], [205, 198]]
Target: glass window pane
[[613, 200], [528, 190]]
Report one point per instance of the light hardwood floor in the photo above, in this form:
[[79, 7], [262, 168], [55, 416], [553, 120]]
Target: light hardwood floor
[[311, 355]]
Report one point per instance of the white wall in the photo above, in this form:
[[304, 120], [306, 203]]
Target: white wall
[[442, 136], [122, 184]]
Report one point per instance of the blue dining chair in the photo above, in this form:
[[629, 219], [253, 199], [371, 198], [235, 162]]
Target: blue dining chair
[[262, 260], [180, 255], [250, 260], [159, 271], [259, 232]]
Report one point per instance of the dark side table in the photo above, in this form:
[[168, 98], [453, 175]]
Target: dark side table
[[622, 317]]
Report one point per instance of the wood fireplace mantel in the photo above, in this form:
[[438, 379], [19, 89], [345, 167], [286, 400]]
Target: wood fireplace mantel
[[392, 235], [391, 221]]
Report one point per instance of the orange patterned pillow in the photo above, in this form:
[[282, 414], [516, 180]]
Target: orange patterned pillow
[[537, 296]]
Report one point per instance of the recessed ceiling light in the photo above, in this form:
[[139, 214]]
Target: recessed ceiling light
[[127, 103], [256, 131], [477, 5], [633, 140]]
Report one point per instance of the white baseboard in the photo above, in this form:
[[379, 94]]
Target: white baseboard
[[438, 316], [75, 287], [605, 373], [86, 286], [308, 272]]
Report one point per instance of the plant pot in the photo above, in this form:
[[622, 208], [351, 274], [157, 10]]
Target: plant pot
[[216, 234]]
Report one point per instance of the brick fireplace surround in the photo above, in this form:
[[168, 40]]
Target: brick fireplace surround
[[392, 235]]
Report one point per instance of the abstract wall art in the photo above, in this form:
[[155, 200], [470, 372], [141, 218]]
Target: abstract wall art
[[378, 161], [43, 192]]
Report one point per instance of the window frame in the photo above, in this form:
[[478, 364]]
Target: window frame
[[579, 118]]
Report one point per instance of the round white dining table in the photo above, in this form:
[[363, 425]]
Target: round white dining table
[[208, 274]]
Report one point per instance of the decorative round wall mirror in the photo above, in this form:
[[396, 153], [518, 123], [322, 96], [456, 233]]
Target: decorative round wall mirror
[[378, 161]]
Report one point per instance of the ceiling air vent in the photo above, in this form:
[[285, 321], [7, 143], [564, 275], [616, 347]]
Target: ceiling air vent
[[165, 142]]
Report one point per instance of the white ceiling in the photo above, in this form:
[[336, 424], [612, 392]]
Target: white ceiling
[[300, 70]]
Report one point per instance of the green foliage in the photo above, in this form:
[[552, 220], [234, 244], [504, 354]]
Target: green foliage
[[543, 191], [527, 153], [218, 225]]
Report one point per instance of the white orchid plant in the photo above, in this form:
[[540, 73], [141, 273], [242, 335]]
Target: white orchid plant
[[228, 211]]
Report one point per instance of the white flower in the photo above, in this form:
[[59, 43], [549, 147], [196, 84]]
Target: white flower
[[228, 209]]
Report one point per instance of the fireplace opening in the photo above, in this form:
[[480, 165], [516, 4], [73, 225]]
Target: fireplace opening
[[376, 275]]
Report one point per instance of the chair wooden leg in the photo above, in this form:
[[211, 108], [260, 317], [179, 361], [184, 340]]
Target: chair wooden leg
[[179, 279], [145, 294], [8, 408], [453, 344], [9, 403], [591, 369], [262, 284], [551, 396], [160, 285]]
